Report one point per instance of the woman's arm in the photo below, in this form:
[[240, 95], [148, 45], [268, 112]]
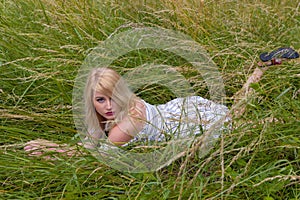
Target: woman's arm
[[118, 137], [130, 126]]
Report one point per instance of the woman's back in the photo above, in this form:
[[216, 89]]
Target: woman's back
[[181, 117]]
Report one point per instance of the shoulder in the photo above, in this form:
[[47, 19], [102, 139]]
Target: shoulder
[[138, 109], [130, 125]]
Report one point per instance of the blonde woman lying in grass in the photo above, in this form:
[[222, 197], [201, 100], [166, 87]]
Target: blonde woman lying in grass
[[113, 112]]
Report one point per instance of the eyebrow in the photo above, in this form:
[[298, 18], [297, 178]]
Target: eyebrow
[[100, 96]]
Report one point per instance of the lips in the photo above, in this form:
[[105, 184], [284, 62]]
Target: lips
[[109, 113]]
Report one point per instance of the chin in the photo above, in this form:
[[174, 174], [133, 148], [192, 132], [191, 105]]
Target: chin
[[110, 117]]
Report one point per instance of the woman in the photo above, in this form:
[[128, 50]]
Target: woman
[[114, 113], [113, 110]]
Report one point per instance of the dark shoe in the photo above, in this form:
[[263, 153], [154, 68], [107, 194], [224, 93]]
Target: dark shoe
[[283, 52]]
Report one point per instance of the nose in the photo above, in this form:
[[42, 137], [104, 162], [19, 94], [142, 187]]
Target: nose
[[108, 105]]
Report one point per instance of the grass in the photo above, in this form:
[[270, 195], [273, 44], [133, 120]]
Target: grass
[[43, 44]]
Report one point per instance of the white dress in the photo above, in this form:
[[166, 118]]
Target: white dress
[[182, 117]]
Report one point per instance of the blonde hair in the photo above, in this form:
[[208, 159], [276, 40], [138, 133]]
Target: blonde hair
[[108, 82]]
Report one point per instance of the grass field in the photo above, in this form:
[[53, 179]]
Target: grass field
[[43, 44]]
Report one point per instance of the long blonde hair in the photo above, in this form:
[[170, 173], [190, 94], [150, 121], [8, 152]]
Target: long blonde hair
[[108, 82]]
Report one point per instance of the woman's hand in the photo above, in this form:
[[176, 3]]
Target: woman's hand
[[43, 148]]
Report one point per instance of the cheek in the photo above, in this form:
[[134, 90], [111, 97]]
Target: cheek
[[97, 107]]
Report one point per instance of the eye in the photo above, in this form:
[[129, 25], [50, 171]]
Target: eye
[[100, 99]]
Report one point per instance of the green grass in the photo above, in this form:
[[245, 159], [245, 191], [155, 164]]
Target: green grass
[[43, 44]]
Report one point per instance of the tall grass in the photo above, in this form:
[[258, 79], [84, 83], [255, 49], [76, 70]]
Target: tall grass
[[43, 44]]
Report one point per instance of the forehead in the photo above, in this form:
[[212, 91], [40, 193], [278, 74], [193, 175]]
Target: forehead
[[99, 94]]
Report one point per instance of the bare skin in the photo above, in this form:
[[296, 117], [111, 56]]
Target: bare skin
[[118, 135], [239, 106], [105, 106]]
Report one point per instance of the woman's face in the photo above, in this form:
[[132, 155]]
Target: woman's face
[[105, 106]]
